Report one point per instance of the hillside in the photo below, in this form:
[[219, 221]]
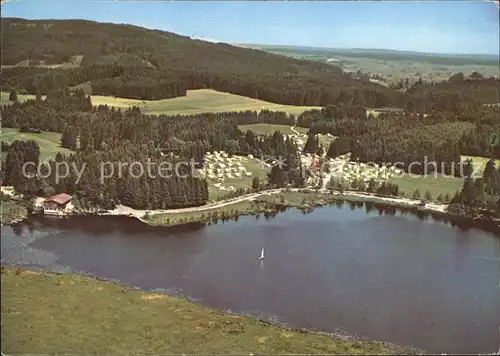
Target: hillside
[[133, 62]]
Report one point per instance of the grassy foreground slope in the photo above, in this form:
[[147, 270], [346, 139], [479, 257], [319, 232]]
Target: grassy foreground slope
[[51, 313], [195, 102]]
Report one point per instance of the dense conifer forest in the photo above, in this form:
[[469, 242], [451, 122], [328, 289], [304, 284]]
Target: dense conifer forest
[[438, 122]]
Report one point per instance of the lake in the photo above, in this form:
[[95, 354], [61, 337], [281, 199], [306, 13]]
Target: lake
[[390, 276]]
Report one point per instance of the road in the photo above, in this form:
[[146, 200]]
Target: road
[[125, 210]]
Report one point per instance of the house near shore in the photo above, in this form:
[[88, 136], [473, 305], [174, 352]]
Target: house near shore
[[59, 204], [315, 161]]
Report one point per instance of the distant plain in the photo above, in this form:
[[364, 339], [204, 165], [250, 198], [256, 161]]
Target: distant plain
[[393, 66]]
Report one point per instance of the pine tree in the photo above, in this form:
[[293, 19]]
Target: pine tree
[[468, 191], [69, 138], [467, 168], [255, 183], [320, 151], [13, 95], [311, 145], [457, 198], [38, 95]]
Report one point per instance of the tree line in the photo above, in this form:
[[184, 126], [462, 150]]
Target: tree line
[[479, 196]]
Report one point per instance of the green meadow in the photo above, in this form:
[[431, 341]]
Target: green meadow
[[49, 142]]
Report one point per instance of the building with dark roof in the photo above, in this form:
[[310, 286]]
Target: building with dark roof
[[56, 204]]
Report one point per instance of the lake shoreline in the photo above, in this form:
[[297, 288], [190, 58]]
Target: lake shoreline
[[320, 198], [334, 336], [223, 251], [13, 212], [265, 202]]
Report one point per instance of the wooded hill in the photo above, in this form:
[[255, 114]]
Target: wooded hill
[[133, 62]]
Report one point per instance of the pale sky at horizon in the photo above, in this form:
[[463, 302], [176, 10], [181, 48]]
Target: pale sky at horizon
[[434, 26]]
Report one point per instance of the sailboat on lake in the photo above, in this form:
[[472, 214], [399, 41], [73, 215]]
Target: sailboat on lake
[[261, 255]]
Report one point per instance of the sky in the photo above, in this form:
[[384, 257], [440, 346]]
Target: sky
[[423, 26]]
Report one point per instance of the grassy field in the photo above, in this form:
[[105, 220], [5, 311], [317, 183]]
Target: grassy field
[[436, 186], [239, 208], [49, 142], [479, 163], [46, 313], [195, 102], [199, 101], [73, 63], [265, 129], [4, 98], [325, 141], [376, 112]]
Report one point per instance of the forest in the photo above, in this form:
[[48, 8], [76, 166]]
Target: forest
[[104, 134], [132, 62], [436, 122]]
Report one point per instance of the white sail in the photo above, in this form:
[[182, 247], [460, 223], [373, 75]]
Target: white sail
[[261, 255]]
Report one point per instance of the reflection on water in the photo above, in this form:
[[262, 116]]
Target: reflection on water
[[414, 279]]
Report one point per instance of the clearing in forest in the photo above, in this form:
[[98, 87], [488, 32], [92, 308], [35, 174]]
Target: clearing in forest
[[199, 101], [195, 102], [267, 129], [439, 185], [49, 142], [479, 163]]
